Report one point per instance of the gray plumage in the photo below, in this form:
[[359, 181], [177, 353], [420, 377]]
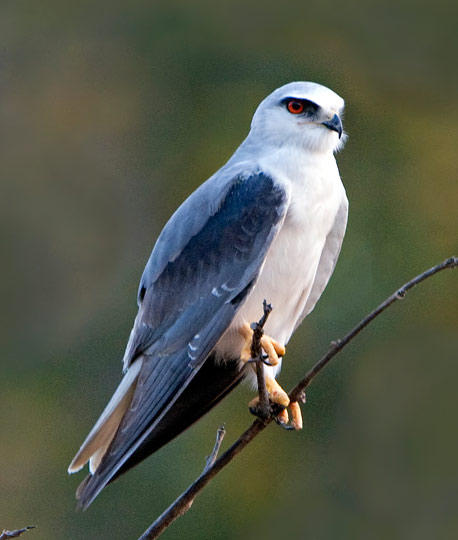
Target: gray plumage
[[269, 224]]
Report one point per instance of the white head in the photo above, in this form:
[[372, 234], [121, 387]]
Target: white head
[[305, 114]]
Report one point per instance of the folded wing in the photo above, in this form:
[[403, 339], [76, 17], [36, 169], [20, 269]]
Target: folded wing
[[192, 287]]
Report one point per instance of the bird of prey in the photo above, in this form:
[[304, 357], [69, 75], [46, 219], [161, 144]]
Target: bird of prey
[[268, 225]]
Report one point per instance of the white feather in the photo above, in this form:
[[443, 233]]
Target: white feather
[[101, 435], [299, 157]]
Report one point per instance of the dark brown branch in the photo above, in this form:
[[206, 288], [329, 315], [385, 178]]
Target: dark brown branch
[[262, 410], [15, 534], [182, 504]]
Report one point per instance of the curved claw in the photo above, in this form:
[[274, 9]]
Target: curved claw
[[282, 418], [272, 347], [279, 405], [263, 360], [284, 425]]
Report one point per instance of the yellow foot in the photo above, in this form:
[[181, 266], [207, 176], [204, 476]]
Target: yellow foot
[[271, 347], [278, 396], [296, 415]]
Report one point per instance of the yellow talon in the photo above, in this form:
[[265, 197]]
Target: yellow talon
[[279, 397], [271, 347], [276, 393], [282, 416], [296, 415]]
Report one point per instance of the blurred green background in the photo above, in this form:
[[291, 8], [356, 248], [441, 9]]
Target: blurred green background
[[110, 115]]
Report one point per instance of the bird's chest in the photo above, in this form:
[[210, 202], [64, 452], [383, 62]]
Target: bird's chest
[[288, 273], [289, 270], [290, 267]]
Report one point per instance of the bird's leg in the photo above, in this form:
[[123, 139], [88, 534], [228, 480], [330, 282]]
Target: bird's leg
[[271, 347], [280, 402], [276, 395], [272, 399]]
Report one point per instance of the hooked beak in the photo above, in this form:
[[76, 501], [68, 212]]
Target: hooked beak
[[335, 124]]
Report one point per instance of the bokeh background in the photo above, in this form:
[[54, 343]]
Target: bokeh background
[[110, 115]]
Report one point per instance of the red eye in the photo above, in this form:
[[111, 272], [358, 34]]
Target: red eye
[[295, 107]]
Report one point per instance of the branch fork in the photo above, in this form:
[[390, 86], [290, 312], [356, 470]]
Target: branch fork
[[182, 504]]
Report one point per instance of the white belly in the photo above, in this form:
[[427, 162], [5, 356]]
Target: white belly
[[288, 274]]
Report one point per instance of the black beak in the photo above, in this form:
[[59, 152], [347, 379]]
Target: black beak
[[334, 124]]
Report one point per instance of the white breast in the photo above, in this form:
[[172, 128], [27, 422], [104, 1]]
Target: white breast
[[288, 273]]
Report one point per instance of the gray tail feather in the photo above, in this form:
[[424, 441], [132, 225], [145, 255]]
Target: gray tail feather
[[209, 386]]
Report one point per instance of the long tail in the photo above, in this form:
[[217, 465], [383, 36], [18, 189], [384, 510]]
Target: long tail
[[97, 442], [212, 382]]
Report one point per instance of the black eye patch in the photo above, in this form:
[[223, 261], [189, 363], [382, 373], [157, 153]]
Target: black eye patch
[[303, 107]]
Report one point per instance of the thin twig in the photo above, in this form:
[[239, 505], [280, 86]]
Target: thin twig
[[219, 439], [182, 504], [337, 346], [15, 534], [184, 501]]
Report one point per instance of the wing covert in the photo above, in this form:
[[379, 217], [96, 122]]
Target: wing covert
[[186, 309], [216, 265]]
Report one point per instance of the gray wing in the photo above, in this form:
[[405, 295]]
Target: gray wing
[[328, 259], [183, 295], [188, 298]]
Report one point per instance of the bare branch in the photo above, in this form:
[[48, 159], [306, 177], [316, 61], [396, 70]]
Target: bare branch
[[182, 504], [15, 534], [219, 439], [184, 501], [262, 410], [337, 346]]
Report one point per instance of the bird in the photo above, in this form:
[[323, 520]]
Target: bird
[[268, 225]]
